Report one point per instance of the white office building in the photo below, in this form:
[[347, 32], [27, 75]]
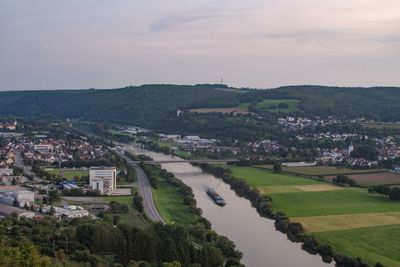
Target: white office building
[[103, 179]]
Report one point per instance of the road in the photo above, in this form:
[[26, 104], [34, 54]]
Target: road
[[27, 169], [145, 191]]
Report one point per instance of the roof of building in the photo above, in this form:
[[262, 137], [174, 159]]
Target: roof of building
[[8, 210]]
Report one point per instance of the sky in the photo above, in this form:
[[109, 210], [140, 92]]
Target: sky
[[67, 44]]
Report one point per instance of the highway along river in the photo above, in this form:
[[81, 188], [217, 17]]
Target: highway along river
[[262, 245]]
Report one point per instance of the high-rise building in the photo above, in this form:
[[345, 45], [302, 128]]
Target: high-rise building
[[103, 179]]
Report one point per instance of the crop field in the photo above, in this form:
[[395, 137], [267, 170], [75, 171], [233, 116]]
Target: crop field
[[321, 170], [382, 178], [348, 201], [272, 105], [299, 188], [261, 178], [372, 244], [347, 221], [351, 220], [381, 125], [237, 110], [68, 174]]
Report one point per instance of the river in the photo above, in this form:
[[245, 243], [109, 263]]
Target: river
[[262, 245]]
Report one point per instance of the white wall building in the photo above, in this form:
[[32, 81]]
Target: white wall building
[[67, 212], [22, 196], [103, 179]]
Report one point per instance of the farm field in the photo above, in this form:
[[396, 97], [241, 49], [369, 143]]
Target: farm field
[[238, 110], [348, 201], [381, 125], [321, 170], [272, 105], [68, 174], [351, 220], [382, 178], [347, 221], [169, 203], [261, 178], [372, 244]]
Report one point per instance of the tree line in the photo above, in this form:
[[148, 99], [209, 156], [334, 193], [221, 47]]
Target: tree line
[[295, 232]]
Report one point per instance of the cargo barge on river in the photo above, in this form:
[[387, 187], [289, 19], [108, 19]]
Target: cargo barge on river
[[215, 197]]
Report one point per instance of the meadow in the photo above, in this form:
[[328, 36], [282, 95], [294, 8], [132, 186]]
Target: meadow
[[259, 177], [169, 203], [322, 170], [351, 220], [272, 105], [347, 201], [68, 174], [372, 244]]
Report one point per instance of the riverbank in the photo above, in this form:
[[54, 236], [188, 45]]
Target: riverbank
[[317, 205], [255, 236]]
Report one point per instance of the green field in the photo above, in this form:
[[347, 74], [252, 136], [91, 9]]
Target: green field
[[338, 216], [272, 105], [260, 178], [348, 201], [169, 203], [68, 174], [321, 170], [372, 244]]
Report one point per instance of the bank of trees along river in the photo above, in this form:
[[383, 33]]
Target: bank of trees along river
[[294, 230]]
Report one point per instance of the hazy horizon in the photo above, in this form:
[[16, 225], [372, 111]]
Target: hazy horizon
[[259, 44]]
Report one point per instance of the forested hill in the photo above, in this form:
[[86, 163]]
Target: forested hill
[[139, 105], [152, 106], [380, 103]]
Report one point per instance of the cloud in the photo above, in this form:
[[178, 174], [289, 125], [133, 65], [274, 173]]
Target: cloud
[[169, 22]]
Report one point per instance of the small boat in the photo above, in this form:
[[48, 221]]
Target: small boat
[[215, 197]]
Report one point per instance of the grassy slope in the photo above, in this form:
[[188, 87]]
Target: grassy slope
[[169, 203], [380, 243], [133, 217], [293, 105]]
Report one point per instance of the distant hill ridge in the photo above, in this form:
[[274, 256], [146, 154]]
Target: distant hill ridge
[[148, 104]]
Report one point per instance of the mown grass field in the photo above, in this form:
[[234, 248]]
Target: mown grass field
[[321, 170], [336, 202], [351, 220], [68, 174], [372, 244], [261, 178], [272, 105], [169, 203], [347, 221]]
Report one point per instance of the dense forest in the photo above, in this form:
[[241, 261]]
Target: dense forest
[[155, 106], [380, 103]]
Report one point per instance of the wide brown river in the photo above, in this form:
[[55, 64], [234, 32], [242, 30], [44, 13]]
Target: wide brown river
[[262, 245]]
